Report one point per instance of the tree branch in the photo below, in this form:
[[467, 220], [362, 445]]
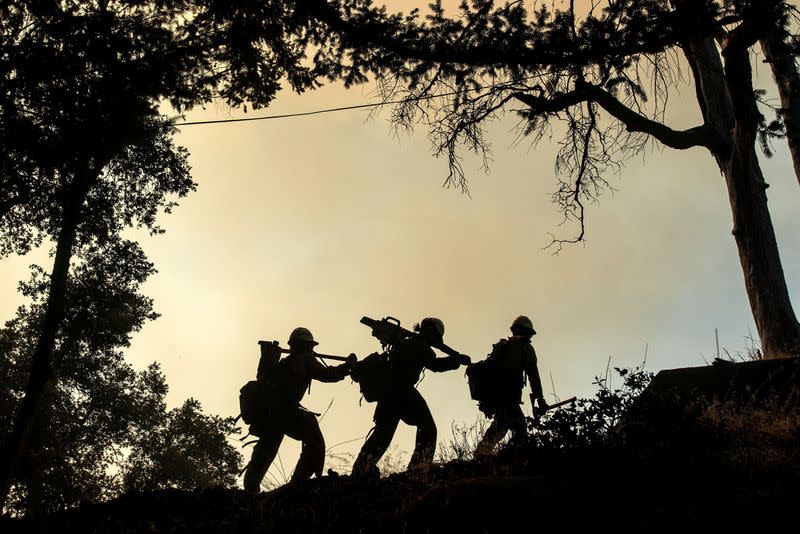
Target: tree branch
[[633, 121], [573, 204], [636, 122]]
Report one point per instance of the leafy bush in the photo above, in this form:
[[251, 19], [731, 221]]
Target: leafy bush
[[589, 422]]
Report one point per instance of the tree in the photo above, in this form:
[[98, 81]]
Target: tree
[[781, 49], [605, 73], [86, 152], [186, 450], [93, 430]]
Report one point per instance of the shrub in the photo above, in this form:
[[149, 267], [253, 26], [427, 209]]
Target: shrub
[[589, 422]]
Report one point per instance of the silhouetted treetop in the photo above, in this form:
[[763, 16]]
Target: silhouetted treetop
[[490, 38], [102, 416], [142, 180], [86, 151], [489, 55]]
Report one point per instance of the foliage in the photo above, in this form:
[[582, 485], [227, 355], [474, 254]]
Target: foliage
[[740, 429], [100, 409], [186, 449], [590, 422], [86, 151], [586, 423], [80, 86], [600, 74]]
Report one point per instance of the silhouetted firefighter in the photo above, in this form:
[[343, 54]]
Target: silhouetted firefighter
[[497, 382], [390, 379], [271, 405]]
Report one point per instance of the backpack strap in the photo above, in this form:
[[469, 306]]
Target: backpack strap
[[498, 348]]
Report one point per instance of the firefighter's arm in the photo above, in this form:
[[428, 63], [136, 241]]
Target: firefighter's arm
[[322, 373], [446, 363], [532, 370]]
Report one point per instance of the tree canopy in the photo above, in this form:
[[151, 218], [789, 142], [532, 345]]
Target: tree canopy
[[86, 151], [104, 427], [602, 73]]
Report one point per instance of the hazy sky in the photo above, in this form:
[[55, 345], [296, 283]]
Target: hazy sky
[[317, 221]]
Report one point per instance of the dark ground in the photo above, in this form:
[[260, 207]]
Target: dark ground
[[608, 491], [681, 466]]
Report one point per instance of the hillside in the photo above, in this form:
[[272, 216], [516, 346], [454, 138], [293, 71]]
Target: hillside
[[669, 464], [564, 490]]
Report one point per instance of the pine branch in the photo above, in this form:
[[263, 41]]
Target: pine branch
[[633, 121]]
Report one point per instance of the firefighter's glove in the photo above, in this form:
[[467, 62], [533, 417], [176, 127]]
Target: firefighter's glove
[[351, 362], [463, 359], [542, 405]]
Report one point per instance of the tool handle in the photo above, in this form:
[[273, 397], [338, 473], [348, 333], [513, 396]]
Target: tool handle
[[539, 411], [562, 403], [286, 351], [331, 357]]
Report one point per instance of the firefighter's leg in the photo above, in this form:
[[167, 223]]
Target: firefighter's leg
[[517, 424], [494, 434], [417, 413], [378, 440], [304, 427], [263, 454]]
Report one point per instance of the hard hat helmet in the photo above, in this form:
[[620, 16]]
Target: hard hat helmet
[[301, 334], [523, 322], [432, 322]]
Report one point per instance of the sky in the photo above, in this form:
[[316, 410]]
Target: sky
[[317, 221]]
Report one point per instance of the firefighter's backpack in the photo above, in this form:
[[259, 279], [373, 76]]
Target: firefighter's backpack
[[373, 375], [265, 397], [253, 400], [492, 382]]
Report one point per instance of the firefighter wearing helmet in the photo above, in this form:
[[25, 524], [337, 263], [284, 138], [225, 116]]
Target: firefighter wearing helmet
[[403, 402], [287, 381], [516, 358]]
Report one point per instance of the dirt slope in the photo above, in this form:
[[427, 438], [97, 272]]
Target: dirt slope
[[584, 490]]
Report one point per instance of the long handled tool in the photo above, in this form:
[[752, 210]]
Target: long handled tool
[[539, 411], [274, 346], [389, 332]]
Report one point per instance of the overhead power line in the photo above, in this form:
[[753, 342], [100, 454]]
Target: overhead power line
[[287, 115], [332, 110]]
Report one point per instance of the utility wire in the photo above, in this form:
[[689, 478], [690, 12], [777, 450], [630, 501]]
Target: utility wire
[[287, 115], [343, 108]]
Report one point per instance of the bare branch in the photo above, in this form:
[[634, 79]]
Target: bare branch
[[573, 206], [634, 121]]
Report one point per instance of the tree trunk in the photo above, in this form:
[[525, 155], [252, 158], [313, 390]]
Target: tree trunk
[[727, 98], [758, 253], [41, 371], [34, 506], [784, 70]]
